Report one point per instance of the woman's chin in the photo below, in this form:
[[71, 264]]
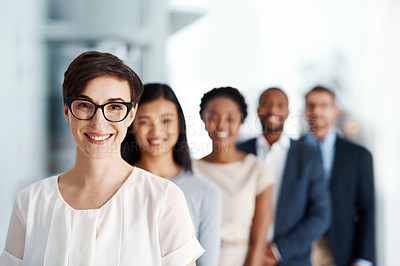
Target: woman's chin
[[100, 151]]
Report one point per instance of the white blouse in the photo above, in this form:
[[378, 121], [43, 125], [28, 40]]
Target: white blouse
[[146, 222]]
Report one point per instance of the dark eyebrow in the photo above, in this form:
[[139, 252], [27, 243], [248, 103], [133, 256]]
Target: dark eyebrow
[[142, 116], [167, 114], [115, 100], [109, 100], [84, 97], [146, 116]]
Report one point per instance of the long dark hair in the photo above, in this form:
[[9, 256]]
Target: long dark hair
[[130, 149]]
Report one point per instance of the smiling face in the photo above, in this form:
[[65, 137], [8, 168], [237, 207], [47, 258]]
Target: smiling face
[[222, 119], [273, 110], [156, 127], [98, 138]]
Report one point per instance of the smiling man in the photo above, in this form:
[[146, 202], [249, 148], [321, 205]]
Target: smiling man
[[300, 195]]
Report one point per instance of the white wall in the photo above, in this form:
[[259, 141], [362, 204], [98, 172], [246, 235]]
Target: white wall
[[22, 108], [377, 105]]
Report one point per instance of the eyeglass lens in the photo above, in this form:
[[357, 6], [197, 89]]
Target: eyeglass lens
[[112, 111]]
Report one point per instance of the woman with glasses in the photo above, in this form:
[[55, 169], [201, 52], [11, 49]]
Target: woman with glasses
[[245, 181], [158, 144], [103, 211]]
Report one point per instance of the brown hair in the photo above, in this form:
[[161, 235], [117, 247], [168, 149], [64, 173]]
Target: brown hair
[[91, 65], [321, 89]]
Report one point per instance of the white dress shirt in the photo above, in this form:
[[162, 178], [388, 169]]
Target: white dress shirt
[[275, 156]]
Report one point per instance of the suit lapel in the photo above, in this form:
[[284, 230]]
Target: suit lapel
[[337, 162], [254, 146], [288, 173]]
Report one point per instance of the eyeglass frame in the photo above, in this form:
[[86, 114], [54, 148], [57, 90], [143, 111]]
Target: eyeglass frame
[[70, 100]]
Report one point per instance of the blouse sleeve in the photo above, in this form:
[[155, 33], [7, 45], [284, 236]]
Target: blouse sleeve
[[15, 243], [7, 259], [210, 227], [265, 176], [178, 243]]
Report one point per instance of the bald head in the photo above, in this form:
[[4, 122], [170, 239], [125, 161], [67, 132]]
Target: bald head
[[273, 110]]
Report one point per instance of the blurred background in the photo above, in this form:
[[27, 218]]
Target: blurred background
[[196, 45]]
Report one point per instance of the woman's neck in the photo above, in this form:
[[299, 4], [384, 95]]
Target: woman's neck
[[89, 172], [224, 154], [161, 165]]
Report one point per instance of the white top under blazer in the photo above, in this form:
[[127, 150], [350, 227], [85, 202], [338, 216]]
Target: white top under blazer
[[146, 223]]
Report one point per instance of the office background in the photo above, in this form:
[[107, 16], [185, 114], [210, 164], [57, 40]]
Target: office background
[[195, 45]]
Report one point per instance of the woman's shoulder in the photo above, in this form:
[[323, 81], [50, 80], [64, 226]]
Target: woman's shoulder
[[199, 165], [199, 183], [46, 187], [197, 162], [143, 176], [253, 160], [259, 167], [39, 185], [147, 182]]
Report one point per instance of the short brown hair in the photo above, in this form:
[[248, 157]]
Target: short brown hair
[[321, 89], [91, 65]]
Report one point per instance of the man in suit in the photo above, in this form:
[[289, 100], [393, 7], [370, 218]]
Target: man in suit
[[302, 209], [350, 239]]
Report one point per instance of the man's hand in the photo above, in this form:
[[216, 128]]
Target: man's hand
[[269, 258], [361, 262]]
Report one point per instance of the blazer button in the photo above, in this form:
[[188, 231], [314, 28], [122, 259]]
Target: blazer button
[[357, 219]]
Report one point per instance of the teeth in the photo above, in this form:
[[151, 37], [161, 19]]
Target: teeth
[[99, 137], [273, 118], [222, 134], [156, 142]]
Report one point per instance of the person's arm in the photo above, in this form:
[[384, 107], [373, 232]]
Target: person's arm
[[263, 216], [193, 263], [316, 219], [365, 220], [210, 227], [178, 244], [15, 243]]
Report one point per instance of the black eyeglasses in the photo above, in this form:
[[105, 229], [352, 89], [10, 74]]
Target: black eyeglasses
[[85, 109]]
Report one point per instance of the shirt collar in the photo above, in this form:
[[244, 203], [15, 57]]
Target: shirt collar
[[327, 142], [283, 142]]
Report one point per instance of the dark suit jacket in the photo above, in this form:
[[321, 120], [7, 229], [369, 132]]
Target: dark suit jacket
[[302, 213], [352, 233]]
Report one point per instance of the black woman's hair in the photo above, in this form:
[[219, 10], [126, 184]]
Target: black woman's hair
[[226, 92], [130, 149]]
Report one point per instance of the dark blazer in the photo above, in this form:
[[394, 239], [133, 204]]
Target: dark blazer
[[302, 213], [352, 233]]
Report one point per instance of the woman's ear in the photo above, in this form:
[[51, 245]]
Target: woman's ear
[[132, 114], [66, 112]]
